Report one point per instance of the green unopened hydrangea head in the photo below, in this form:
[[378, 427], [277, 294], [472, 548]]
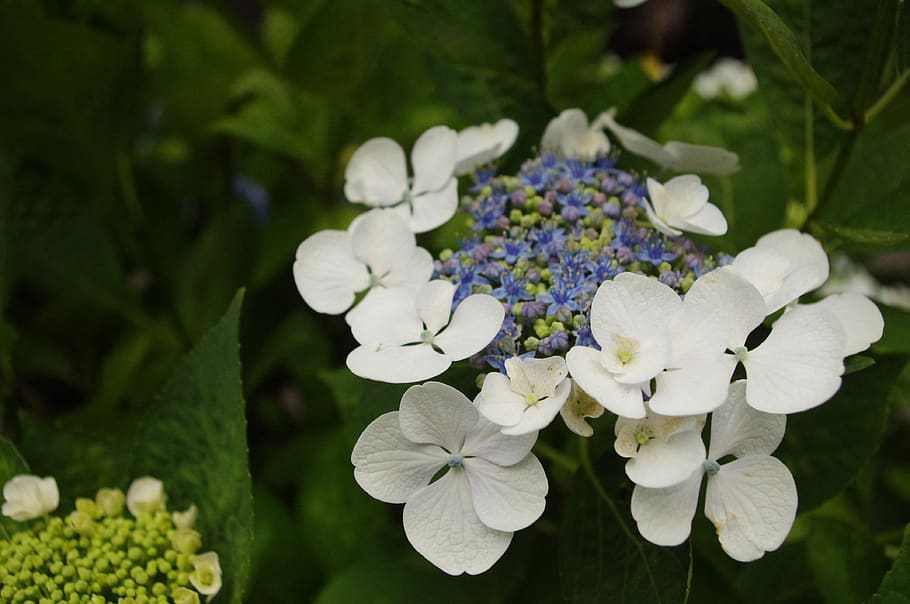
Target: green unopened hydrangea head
[[97, 554]]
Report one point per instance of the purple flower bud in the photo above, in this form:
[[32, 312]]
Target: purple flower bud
[[571, 213], [533, 310], [630, 213], [563, 315], [600, 199], [563, 185], [503, 223], [533, 275], [629, 198], [519, 197], [625, 255], [546, 207]]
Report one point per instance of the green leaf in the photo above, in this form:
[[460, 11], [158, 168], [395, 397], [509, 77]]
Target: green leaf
[[602, 558], [846, 561], [872, 194], [902, 38], [896, 338], [856, 363], [826, 447], [863, 236], [387, 581], [785, 45], [895, 587], [11, 464], [194, 439]]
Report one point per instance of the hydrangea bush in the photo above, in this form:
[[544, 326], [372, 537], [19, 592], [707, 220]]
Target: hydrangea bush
[[575, 291]]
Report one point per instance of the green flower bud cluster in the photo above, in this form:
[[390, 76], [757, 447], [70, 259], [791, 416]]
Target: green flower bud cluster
[[99, 555]]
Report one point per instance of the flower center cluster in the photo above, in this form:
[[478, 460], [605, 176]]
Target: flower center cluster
[[544, 240]]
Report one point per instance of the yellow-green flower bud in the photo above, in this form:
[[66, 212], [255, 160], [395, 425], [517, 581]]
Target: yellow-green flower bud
[[186, 541], [185, 519], [206, 575], [82, 523], [182, 595], [111, 501]]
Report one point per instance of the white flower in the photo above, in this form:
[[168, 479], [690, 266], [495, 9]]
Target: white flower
[[681, 204], [783, 265], [662, 451], [751, 500], [848, 276], [145, 494], [406, 339], [579, 406], [463, 521], [27, 496], [529, 398], [185, 519], [377, 175], [630, 319], [797, 367], [726, 76], [206, 575], [570, 135], [479, 145], [676, 156], [377, 251]]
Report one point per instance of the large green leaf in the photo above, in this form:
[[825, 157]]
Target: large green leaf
[[11, 464], [826, 447], [870, 204], [786, 46], [845, 559], [895, 587], [601, 556], [192, 437]]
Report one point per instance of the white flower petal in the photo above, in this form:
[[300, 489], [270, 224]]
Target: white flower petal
[[709, 221], [479, 145], [410, 272], [738, 429], [719, 311], [434, 304], [570, 123], [390, 467], [699, 386], [377, 173], [397, 364], [656, 220], [145, 495], [703, 159], [631, 303], [433, 159], [634, 141], [859, 317], [682, 203], [326, 272], [650, 353], [799, 365], [382, 241], [441, 524], [438, 414], [498, 402], [577, 407], [507, 498], [474, 324], [538, 416], [434, 208], [485, 440], [664, 516], [686, 193], [27, 496], [538, 376], [752, 503], [765, 269], [808, 265], [384, 318], [662, 463], [587, 370]]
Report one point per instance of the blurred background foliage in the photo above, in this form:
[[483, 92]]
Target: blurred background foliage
[[158, 156]]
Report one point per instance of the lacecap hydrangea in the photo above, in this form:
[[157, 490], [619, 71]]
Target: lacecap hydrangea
[[574, 292], [100, 553]]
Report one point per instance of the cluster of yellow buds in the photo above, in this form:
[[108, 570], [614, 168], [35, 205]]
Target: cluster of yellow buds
[[99, 555]]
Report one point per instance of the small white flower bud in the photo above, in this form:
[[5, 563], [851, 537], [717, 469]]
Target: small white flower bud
[[146, 494], [26, 497], [185, 519], [206, 577]]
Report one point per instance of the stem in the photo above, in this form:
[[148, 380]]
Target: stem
[[843, 156], [537, 46], [689, 574], [811, 171], [888, 96], [585, 460], [546, 451]]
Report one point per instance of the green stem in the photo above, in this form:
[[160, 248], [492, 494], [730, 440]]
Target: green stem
[[546, 451], [843, 156], [588, 468], [888, 96]]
